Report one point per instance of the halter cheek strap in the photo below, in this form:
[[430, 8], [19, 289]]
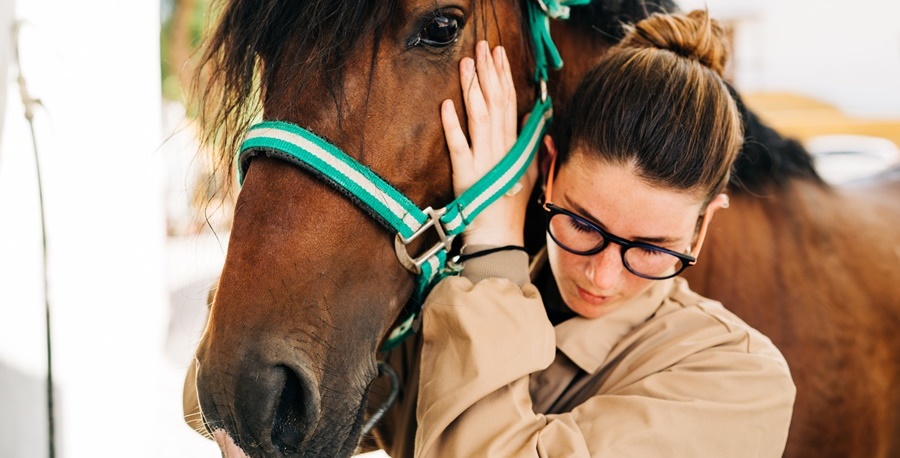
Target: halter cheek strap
[[389, 206]]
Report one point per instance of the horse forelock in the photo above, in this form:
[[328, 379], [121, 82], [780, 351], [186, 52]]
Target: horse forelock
[[248, 41]]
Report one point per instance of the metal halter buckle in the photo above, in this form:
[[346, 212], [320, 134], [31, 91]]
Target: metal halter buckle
[[414, 265], [556, 11]]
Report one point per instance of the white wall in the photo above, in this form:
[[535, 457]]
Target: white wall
[[844, 53], [22, 372], [6, 22], [95, 65]]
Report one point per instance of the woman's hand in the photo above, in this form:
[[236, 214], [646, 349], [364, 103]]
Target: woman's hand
[[490, 101]]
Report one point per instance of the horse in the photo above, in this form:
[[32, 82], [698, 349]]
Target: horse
[[311, 286]]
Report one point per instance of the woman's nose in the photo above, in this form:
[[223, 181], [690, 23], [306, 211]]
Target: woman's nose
[[605, 269]]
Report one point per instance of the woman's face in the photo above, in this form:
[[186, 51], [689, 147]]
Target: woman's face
[[623, 204]]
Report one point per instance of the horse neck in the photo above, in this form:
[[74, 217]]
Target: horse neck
[[768, 253]]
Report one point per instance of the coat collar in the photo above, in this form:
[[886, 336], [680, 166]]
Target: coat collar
[[588, 342]]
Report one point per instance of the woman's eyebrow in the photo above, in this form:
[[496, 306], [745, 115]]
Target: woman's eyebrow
[[656, 240]]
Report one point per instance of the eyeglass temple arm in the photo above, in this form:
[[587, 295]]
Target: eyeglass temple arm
[[548, 189]]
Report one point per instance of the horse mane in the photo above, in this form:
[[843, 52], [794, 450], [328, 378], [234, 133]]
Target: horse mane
[[609, 17], [767, 159], [229, 87]]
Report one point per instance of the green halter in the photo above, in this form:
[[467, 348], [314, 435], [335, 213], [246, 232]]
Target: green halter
[[389, 206]]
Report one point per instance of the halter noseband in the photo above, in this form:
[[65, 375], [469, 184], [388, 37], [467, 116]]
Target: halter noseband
[[389, 206]]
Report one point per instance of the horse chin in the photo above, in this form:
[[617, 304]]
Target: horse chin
[[337, 436], [333, 437], [227, 445]]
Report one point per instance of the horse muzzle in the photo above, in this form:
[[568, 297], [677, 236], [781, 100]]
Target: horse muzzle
[[274, 410]]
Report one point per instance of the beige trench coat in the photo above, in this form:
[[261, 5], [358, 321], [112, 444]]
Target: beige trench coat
[[669, 374]]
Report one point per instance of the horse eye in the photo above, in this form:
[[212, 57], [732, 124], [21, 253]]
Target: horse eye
[[440, 31]]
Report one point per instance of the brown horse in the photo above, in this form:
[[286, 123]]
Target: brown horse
[[311, 284]]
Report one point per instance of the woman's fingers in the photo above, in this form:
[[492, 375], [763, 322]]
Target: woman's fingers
[[476, 108], [497, 55], [460, 155], [509, 90], [487, 71], [456, 138], [490, 107], [489, 100]]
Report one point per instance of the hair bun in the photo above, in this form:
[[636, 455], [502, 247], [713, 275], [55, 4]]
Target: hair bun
[[693, 36]]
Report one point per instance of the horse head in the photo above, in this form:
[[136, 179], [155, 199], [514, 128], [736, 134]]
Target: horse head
[[311, 283]]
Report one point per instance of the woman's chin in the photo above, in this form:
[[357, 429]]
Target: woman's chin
[[589, 305]]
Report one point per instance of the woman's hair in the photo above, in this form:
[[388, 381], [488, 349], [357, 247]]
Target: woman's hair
[[657, 102]]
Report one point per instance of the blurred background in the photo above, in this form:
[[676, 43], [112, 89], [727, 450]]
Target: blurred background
[[136, 233]]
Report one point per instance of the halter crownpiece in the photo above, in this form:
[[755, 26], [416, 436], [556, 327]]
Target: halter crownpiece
[[387, 205]]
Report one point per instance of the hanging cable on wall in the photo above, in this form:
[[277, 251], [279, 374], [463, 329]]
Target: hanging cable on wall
[[30, 103]]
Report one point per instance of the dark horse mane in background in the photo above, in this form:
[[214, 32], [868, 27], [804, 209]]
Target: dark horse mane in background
[[767, 158]]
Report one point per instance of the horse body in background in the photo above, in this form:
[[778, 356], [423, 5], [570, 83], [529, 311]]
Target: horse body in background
[[815, 268], [311, 283]]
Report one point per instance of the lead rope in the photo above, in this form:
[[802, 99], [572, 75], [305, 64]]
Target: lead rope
[[29, 104], [384, 369]]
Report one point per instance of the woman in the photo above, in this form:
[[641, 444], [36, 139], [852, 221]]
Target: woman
[[636, 364]]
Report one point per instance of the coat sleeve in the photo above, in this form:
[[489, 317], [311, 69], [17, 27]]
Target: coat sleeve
[[482, 341]]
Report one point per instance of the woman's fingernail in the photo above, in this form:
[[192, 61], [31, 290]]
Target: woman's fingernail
[[468, 65]]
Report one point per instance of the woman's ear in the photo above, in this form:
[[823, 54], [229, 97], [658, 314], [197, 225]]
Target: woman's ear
[[720, 201]]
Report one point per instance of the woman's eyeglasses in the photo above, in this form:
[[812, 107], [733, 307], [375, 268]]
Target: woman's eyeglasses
[[580, 236]]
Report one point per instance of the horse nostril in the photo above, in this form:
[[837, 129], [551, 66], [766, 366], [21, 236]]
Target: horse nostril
[[295, 414]]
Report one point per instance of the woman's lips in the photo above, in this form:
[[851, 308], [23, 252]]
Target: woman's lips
[[592, 298]]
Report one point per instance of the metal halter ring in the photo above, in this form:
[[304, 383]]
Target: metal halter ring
[[414, 265]]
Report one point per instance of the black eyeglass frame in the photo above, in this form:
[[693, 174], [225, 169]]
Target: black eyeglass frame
[[552, 210]]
